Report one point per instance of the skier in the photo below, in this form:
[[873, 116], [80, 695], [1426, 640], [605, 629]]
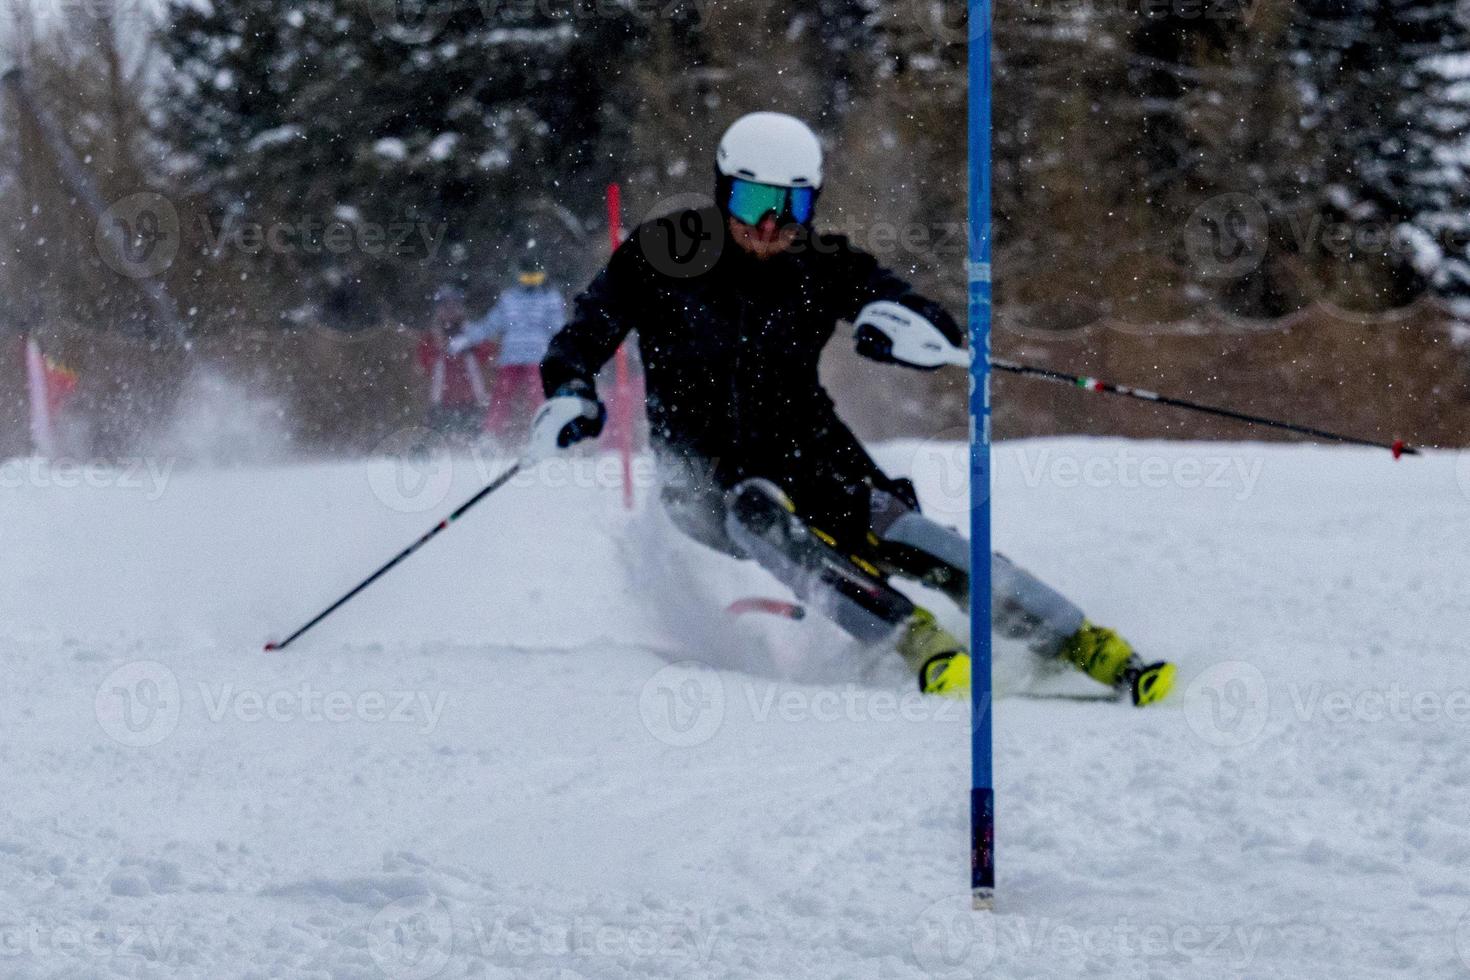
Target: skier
[[458, 397], [733, 305], [523, 320]]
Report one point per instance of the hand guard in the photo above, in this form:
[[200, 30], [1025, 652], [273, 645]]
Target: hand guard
[[894, 334], [568, 417]]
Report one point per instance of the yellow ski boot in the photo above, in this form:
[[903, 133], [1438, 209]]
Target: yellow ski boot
[[1150, 683], [940, 660], [1103, 655]]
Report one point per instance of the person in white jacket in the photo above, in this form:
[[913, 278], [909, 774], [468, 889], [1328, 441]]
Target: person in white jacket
[[523, 321]]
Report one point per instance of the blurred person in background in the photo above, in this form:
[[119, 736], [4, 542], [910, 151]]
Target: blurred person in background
[[458, 393], [523, 321]]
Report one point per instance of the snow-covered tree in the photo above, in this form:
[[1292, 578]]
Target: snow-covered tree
[[1386, 99]]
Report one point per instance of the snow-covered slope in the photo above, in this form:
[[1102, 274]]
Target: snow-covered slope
[[495, 763]]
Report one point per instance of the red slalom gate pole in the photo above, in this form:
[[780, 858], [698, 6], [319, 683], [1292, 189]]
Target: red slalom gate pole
[[623, 378], [614, 215]]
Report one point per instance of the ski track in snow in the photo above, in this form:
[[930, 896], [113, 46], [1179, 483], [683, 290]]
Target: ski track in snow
[[488, 767]]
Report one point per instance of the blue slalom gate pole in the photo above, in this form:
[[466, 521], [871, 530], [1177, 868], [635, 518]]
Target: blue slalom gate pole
[[982, 793]]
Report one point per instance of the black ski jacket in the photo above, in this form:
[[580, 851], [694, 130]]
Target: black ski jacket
[[730, 346]]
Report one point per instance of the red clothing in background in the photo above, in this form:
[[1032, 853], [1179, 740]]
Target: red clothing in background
[[517, 396], [458, 385]]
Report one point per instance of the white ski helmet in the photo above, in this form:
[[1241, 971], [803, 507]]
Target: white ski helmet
[[771, 148]]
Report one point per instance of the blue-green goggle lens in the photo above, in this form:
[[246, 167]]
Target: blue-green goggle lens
[[750, 202]]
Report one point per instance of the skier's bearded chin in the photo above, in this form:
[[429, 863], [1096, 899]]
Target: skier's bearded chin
[[765, 240]]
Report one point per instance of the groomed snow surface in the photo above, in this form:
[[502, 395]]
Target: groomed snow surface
[[496, 763]]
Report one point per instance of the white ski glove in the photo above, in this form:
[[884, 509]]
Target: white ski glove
[[568, 417], [890, 332], [458, 344]]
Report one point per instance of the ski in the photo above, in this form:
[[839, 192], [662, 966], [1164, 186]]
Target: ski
[[763, 521], [755, 605]]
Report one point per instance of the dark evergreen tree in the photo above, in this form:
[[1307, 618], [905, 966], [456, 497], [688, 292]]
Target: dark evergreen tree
[[395, 152]]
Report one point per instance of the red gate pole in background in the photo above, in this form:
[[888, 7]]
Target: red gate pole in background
[[624, 411]]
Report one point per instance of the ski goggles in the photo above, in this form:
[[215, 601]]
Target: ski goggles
[[750, 202]]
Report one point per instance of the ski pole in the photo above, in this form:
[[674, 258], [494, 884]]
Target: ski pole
[[1398, 447], [463, 508]]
